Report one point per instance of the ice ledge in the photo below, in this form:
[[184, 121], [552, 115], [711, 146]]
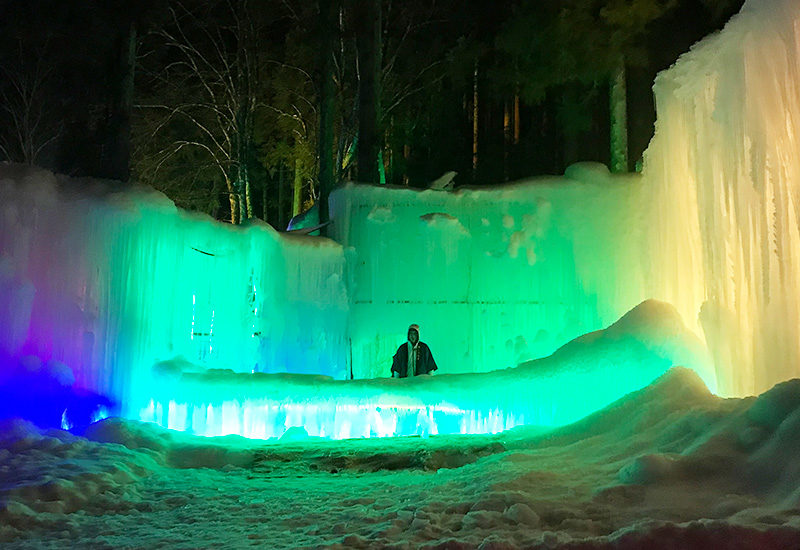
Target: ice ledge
[[581, 377]]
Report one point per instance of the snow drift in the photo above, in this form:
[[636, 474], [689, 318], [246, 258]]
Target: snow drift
[[111, 282], [668, 466]]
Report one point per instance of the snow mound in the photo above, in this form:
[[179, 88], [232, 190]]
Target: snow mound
[[651, 328], [381, 214], [444, 182], [174, 449], [696, 535], [588, 172], [654, 406], [443, 221], [775, 405], [55, 472], [773, 423], [752, 443]]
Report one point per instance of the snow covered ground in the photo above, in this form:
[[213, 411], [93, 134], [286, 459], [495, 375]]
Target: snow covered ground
[[669, 466]]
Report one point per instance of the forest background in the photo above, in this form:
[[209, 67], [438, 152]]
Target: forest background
[[257, 109]]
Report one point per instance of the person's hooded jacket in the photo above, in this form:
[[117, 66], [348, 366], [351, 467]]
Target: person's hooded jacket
[[424, 358]]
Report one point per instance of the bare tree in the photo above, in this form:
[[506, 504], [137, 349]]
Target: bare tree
[[205, 97], [397, 50], [28, 120]]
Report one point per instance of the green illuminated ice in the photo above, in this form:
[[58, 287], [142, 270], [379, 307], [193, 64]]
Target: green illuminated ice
[[581, 377], [139, 283]]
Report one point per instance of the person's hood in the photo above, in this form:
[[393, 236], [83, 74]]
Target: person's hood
[[416, 328]]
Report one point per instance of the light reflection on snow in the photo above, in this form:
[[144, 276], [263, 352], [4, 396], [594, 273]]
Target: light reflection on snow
[[65, 423], [265, 419], [100, 414]]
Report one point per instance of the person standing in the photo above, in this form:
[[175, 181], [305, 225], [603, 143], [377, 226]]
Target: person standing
[[413, 358]]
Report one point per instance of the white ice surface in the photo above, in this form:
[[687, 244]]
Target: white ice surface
[[494, 276], [724, 173]]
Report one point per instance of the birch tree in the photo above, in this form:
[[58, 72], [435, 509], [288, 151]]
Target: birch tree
[[198, 114]]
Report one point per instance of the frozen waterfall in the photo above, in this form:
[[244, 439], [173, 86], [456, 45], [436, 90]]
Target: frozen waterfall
[[111, 283], [723, 173]]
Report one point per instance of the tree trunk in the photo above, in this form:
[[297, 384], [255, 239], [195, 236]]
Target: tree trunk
[[233, 197], [248, 199], [118, 144], [245, 187], [242, 152], [368, 42], [264, 213], [248, 196], [475, 120], [281, 196], [327, 21], [390, 150], [507, 136], [297, 196], [406, 158], [618, 106]]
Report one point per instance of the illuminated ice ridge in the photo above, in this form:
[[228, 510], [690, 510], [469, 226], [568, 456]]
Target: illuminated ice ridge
[[583, 376], [265, 419], [265, 406]]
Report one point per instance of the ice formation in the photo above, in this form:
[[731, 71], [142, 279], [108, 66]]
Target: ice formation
[[711, 226], [724, 198], [493, 276], [111, 283], [581, 377]]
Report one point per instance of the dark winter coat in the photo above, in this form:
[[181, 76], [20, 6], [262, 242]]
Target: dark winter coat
[[425, 362]]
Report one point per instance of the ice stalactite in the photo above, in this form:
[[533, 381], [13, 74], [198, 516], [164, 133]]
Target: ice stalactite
[[724, 168]]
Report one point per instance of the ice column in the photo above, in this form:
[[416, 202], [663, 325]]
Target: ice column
[[724, 168]]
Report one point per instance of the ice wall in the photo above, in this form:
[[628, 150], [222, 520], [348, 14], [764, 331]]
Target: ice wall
[[494, 276], [711, 226], [110, 283], [724, 168]]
